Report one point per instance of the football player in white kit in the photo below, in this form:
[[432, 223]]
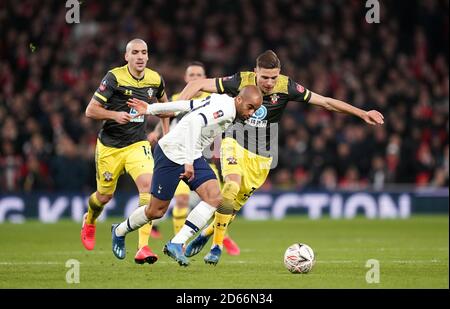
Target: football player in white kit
[[178, 156]]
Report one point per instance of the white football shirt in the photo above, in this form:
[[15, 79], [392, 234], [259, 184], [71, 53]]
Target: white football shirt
[[207, 118]]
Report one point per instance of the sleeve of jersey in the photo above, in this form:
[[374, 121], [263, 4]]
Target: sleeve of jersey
[[229, 84], [297, 92], [183, 106], [106, 89], [161, 89]]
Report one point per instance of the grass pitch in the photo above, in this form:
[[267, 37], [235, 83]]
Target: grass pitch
[[412, 253]]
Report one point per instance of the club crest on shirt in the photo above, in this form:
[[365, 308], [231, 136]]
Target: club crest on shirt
[[107, 176], [274, 98]]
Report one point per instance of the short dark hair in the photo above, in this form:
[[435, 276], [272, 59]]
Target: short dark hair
[[268, 60], [197, 64]]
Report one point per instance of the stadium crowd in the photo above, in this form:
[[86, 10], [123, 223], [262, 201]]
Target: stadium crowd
[[49, 70]]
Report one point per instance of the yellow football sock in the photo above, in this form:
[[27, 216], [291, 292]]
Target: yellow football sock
[[144, 234], [94, 210], [144, 231], [179, 215], [231, 220], [220, 227], [209, 229], [224, 212]]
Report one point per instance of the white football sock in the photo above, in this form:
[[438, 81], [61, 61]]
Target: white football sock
[[134, 221], [197, 219]]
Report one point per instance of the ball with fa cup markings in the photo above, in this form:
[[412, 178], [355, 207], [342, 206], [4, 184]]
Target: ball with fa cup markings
[[299, 258]]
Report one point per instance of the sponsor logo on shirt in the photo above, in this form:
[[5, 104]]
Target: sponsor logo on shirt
[[133, 113], [257, 119]]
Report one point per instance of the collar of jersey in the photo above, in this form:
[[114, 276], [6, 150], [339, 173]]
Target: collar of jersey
[[137, 79]]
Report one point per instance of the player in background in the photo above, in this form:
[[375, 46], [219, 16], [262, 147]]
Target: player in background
[[249, 146], [122, 144], [194, 71], [178, 155]]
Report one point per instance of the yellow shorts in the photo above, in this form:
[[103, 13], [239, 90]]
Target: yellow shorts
[[252, 168], [135, 159], [184, 189]]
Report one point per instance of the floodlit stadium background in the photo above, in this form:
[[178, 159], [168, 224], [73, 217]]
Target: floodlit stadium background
[[50, 69]]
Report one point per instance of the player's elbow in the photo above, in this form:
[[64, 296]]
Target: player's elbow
[[90, 111]]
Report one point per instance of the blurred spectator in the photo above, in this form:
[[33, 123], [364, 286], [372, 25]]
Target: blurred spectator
[[34, 175], [328, 179], [67, 170], [49, 70], [378, 175]]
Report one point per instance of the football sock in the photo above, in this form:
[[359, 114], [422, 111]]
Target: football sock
[[94, 210], [179, 215], [144, 231], [209, 229], [134, 221], [196, 220], [220, 227], [224, 212]]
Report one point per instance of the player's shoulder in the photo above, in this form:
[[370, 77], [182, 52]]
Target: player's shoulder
[[221, 100], [175, 96], [118, 70], [247, 78], [123, 76], [120, 74], [202, 95], [282, 84], [152, 77]]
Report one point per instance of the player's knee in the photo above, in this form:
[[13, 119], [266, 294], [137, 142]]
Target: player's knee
[[215, 200], [154, 212], [157, 214], [104, 198], [230, 190], [182, 201], [148, 212], [145, 184]]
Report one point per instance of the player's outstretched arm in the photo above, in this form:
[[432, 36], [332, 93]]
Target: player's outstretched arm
[[371, 117], [193, 87], [159, 109], [95, 110]]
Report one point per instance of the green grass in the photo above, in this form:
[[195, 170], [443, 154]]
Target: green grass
[[412, 253]]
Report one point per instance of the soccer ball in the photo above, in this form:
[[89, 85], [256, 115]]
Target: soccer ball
[[299, 258]]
